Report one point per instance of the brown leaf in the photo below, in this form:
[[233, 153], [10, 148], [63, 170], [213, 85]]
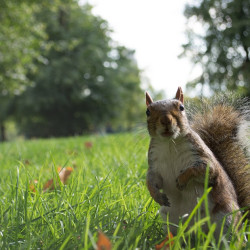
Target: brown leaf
[[63, 175], [88, 144], [32, 186], [48, 185], [103, 242], [26, 162], [163, 245]]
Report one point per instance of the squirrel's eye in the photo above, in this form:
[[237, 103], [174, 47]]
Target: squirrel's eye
[[181, 107], [147, 112]]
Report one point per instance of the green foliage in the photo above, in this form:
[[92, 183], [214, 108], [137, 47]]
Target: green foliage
[[106, 191], [73, 77], [220, 43], [20, 38]]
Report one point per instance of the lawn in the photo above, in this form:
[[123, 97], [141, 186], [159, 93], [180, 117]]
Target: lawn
[[106, 191]]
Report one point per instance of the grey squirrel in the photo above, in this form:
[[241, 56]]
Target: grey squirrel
[[180, 151]]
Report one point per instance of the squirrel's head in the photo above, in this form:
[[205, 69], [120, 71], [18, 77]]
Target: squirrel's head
[[166, 118]]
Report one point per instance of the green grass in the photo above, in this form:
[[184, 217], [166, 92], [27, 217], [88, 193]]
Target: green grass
[[106, 192]]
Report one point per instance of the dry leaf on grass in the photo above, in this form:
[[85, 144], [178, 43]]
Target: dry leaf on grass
[[26, 162], [103, 242], [63, 175], [32, 186], [49, 185], [88, 144], [163, 245]]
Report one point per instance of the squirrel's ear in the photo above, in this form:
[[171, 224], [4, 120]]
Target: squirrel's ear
[[149, 100], [179, 95]]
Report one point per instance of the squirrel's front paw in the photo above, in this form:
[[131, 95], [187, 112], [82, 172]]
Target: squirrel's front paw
[[164, 200], [181, 181]]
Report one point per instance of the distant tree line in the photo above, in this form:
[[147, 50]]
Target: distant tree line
[[61, 74]]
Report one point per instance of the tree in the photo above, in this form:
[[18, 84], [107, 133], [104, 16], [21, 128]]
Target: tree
[[85, 80], [221, 44], [20, 38]]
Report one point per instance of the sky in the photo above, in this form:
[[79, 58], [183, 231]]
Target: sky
[[155, 30]]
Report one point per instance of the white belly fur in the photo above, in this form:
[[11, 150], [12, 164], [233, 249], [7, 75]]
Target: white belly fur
[[168, 159]]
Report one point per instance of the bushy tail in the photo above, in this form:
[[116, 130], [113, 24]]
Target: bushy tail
[[223, 122]]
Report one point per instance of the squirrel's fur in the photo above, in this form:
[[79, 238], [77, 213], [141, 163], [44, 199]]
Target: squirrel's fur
[[223, 124], [182, 148]]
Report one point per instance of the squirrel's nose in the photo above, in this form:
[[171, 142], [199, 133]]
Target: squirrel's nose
[[166, 120]]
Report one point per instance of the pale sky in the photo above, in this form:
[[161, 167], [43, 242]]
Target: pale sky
[[155, 30]]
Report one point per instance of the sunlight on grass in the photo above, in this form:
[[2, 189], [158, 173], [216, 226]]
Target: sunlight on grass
[[106, 191]]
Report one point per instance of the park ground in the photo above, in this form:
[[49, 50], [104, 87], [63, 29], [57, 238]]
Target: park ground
[[105, 191]]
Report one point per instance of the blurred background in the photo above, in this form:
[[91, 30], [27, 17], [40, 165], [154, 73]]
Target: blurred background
[[71, 67]]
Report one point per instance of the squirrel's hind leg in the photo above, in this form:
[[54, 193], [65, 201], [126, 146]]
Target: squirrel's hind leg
[[164, 215]]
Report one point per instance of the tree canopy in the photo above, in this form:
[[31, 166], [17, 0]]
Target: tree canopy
[[220, 43], [20, 38], [75, 78]]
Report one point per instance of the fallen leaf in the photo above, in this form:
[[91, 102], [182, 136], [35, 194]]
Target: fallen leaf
[[63, 175], [26, 162], [163, 245], [103, 242], [88, 144], [32, 186], [48, 185]]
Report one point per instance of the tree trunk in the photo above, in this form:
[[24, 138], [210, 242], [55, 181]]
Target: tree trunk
[[3, 135]]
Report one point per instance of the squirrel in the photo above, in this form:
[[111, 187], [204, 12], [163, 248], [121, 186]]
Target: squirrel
[[181, 150]]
